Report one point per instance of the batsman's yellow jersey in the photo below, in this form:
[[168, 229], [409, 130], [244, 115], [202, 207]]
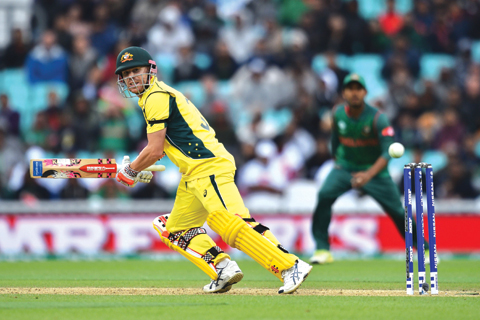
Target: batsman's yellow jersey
[[190, 142]]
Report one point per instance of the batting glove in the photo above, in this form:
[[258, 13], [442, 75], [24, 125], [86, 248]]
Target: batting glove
[[127, 176], [145, 176]]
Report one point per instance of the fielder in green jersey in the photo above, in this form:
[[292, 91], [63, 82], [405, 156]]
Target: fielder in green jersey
[[361, 136]]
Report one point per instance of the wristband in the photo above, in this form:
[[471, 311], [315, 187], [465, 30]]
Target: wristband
[[131, 172]]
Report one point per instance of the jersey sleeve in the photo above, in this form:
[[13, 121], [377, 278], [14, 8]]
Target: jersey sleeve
[[157, 111], [385, 134]]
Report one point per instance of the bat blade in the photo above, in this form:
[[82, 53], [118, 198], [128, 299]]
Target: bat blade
[[73, 168], [77, 168]]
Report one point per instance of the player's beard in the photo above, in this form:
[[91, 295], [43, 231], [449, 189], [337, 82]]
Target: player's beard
[[356, 105]]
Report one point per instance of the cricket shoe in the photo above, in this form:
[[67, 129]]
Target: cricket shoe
[[321, 257], [228, 274], [294, 277]]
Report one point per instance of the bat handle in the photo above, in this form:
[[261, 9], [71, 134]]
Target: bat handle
[[156, 167]]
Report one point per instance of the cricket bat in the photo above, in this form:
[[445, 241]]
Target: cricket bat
[[77, 168]]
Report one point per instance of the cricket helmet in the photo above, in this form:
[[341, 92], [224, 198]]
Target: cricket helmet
[[134, 57]]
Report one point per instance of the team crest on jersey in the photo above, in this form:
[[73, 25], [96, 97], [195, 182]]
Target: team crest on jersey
[[126, 57], [342, 126], [366, 130]]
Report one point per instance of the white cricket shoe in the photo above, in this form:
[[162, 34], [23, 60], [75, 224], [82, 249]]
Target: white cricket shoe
[[228, 274], [294, 277]]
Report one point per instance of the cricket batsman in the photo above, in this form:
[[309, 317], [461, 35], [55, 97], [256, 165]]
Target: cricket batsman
[[206, 192], [361, 136]]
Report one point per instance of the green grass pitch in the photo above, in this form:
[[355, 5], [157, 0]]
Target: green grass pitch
[[454, 275]]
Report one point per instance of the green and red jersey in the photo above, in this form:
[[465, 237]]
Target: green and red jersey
[[358, 142]]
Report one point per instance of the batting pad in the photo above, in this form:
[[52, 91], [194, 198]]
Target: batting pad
[[191, 255], [238, 234]]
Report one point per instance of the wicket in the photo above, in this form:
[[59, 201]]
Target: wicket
[[417, 168]]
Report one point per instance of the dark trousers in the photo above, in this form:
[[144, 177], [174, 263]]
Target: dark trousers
[[382, 189]]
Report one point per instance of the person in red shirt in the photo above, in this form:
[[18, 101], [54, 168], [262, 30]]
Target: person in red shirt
[[391, 22]]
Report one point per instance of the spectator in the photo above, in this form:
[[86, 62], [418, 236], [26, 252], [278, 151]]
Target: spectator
[[104, 32], [259, 87], [357, 28], [74, 191], [31, 191], [114, 133], [10, 153], [340, 73], [41, 134], [428, 98], [240, 37], [423, 18], [263, 175], [76, 25], [338, 39], [400, 89], [54, 113], [295, 146], [47, 61], [186, 69], [112, 190], [206, 25], [454, 181], [452, 133], [321, 155], [82, 59], [16, 52], [145, 14], [169, 34], [464, 61], [401, 56], [471, 102], [314, 24], [61, 29], [85, 125], [223, 65], [9, 118], [224, 130], [212, 95], [391, 22], [379, 42]]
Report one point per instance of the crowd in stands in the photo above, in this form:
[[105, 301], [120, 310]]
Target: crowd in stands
[[265, 73]]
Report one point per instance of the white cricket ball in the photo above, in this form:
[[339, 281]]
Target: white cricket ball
[[396, 150]]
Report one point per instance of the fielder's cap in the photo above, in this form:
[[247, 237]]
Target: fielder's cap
[[354, 77]]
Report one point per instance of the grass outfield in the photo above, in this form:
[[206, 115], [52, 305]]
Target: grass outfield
[[319, 296]]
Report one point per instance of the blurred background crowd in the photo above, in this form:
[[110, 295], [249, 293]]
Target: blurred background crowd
[[265, 73]]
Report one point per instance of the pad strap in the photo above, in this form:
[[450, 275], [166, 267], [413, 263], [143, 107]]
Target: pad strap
[[184, 239], [260, 228], [212, 253]]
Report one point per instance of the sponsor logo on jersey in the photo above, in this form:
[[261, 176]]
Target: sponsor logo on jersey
[[388, 131], [126, 57], [366, 130]]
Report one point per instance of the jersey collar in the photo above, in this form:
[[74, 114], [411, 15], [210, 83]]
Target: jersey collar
[[348, 111], [141, 101]]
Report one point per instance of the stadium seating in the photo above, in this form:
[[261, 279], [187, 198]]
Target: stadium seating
[[476, 51], [431, 65]]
